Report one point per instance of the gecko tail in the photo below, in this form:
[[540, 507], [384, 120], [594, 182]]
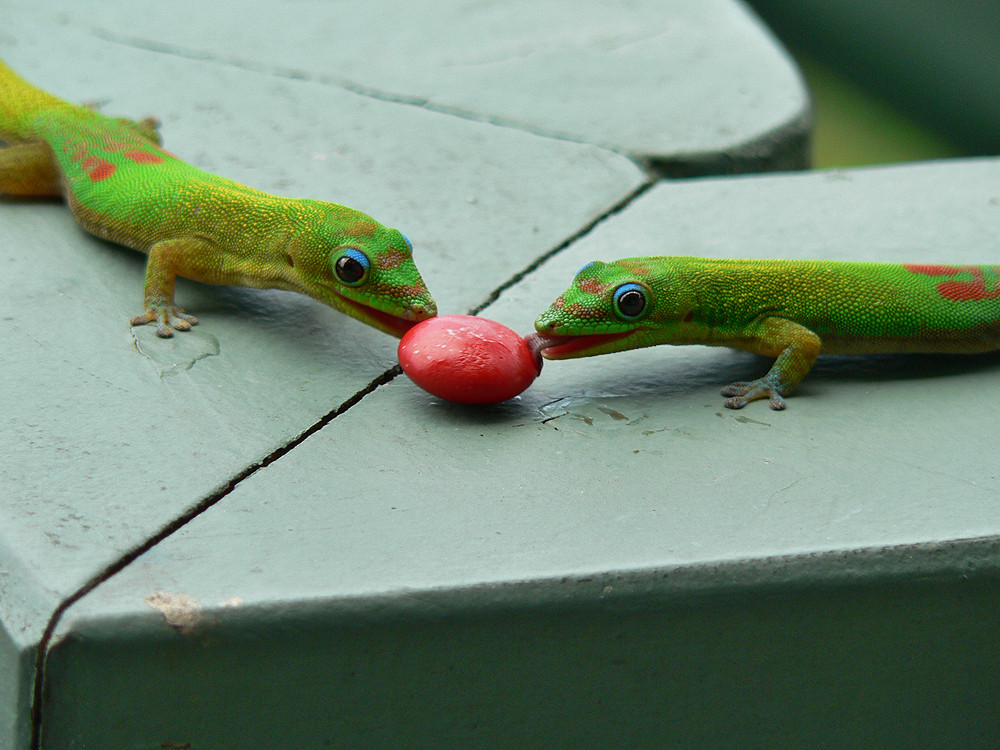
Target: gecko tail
[[20, 103]]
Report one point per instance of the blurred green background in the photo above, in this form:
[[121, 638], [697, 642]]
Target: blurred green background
[[895, 80], [854, 127]]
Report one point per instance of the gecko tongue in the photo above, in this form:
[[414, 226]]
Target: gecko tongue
[[564, 347], [537, 342]]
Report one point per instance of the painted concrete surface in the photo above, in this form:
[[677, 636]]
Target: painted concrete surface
[[690, 87], [70, 348], [416, 560], [182, 416], [112, 434], [398, 504]]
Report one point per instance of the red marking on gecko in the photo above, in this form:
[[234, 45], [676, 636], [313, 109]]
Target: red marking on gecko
[[932, 270], [97, 169], [144, 157], [591, 286], [390, 259], [129, 151], [959, 291]]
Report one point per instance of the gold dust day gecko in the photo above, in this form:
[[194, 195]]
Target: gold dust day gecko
[[788, 309], [123, 187]]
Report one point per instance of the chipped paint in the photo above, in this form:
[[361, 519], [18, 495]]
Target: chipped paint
[[181, 611]]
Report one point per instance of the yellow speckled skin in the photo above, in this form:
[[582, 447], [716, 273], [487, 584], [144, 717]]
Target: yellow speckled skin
[[123, 187], [788, 309]]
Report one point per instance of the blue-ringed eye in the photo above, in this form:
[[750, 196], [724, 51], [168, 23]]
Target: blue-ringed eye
[[584, 268], [630, 301], [352, 266], [407, 241]]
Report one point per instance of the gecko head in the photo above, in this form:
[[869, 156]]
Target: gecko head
[[364, 269], [609, 307]]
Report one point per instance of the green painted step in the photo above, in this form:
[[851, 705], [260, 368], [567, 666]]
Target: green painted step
[[611, 560], [687, 88]]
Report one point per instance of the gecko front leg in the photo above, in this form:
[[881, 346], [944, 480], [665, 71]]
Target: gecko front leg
[[796, 348], [165, 259]]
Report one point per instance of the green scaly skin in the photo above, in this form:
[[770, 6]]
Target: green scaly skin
[[788, 309], [123, 187]]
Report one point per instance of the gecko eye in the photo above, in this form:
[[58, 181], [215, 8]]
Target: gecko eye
[[352, 266], [630, 301], [407, 241], [584, 268]]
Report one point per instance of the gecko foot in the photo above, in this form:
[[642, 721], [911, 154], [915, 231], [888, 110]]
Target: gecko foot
[[168, 316], [743, 392]]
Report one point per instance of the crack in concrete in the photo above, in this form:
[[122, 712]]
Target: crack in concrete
[[784, 148], [353, 87], [542, 259], [48, 638]]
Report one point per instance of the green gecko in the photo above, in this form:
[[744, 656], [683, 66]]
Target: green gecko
[[123, 187], [788, 309]]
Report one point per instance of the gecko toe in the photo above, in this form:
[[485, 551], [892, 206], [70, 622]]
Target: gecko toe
[[169, 317], [740, 388], [743, 392]]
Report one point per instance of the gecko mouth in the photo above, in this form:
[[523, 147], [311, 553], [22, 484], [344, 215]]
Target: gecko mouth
[[567, 347], [394, 325]]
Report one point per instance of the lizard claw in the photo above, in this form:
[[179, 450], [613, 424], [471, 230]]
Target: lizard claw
[[743, 392], [168, 316]]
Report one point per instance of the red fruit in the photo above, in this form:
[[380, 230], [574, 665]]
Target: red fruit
[[468, 359]]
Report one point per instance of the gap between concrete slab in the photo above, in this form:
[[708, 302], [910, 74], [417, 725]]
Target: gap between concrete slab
[[354, 87], [785, 148], [178, 523], [545, 257], [208, 502]]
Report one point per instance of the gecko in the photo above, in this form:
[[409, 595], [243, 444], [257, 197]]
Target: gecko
[[791, 310], [122, 186]]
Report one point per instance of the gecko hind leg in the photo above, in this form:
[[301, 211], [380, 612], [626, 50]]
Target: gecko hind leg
[[147, 127], [28, 169]]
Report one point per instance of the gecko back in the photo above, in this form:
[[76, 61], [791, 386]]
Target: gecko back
[[122, 186]]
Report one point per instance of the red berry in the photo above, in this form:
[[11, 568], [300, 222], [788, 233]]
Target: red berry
[[468, 359]]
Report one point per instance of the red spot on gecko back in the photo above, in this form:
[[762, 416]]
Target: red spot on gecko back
[[959, 291], [932, 270], [97, 169], [144, 157]]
